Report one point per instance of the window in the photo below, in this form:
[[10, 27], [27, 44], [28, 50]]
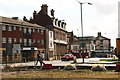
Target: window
[[9, 40], [25, 42], [50, 43], [15, 55], [38, 41], [74, 47], [20, 40], [33, 30], [30, 42], [34, 40], [25, 30], [42, 31], [14, 27], [4, 40], [20, 28], [15, 40], [50, 34], [42, 42], [38, 30], [29, 30], [9, 28], [4, 28]]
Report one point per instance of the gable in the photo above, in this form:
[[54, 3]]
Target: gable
[[42, 19]]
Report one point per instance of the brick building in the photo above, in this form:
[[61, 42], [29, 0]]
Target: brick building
[[56, 27], [21, 40]]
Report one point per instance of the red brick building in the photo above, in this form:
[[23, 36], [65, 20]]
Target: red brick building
[[58, 27], [21, 40]]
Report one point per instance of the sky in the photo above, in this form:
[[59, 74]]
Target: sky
[[101, 16]]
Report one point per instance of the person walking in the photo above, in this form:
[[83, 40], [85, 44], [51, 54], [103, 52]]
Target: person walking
[[40, 57]]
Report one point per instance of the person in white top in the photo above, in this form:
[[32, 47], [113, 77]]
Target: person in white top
[[41, 58]]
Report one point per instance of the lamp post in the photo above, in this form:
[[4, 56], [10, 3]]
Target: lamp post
[[82, 24]]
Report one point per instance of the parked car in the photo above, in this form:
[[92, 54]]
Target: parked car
[[68, 57]]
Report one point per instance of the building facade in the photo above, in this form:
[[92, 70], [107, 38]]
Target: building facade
[[102, 46], [21, 40], [56, 27], [92, 46], [70, 39]]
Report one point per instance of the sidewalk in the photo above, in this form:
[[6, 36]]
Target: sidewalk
[[88, 62]]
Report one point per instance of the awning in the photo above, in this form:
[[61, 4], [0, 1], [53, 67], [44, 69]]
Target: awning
[[30, 48]]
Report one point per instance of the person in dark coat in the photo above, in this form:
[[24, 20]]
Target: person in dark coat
[[40, 57]]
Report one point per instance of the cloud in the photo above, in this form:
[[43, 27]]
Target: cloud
[[106, 7]]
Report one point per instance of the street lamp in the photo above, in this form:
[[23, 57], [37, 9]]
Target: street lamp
[[82, 24]]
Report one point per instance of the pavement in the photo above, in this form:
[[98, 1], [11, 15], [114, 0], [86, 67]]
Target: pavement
[[87, 62]]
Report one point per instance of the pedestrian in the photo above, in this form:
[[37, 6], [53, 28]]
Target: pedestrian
[[40, 57]]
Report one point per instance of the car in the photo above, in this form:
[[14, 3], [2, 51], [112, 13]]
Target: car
[[68, 57]]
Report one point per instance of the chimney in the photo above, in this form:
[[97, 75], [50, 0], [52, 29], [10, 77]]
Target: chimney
[[99, 34], [24, 18], [34, 14], [52, 12], [44, 7], [15, 18]]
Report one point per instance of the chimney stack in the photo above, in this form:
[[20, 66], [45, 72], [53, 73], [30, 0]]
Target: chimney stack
[[44, 7], [99, 34], [24, 18], [34, 14], [52, 12]]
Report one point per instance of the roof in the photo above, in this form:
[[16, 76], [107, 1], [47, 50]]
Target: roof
[[101, 37], [18, 22]]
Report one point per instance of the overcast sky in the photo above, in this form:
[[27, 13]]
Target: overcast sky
[[101, 16]]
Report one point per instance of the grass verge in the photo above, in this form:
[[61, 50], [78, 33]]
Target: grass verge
[[55, 73], [109, 59]]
